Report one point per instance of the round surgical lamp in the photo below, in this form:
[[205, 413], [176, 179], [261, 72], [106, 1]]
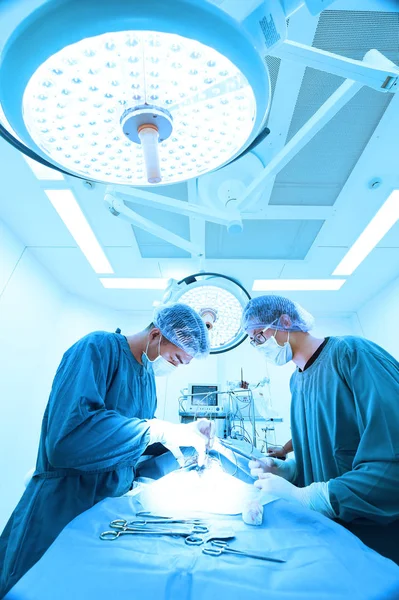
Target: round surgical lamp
[[132, 92], [219, 300]]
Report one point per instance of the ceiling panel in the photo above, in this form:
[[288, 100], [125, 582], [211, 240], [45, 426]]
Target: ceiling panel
[[329, 158], [70, 268], [154, 247], [379, 30], [295, 193], [178, 191], [290, 240], [273, 64]]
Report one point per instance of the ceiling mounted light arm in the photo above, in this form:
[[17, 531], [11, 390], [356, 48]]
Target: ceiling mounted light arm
[[168, 204], [325, 113], [119, 209], [219, 300], [375, 70]]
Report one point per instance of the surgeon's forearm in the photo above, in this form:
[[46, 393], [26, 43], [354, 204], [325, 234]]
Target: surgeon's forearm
[[370, 492], [103, 441], [288, 447]]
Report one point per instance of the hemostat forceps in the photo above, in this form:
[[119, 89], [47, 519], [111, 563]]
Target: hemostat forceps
[[148, 520], [118, 530], [218, 547]]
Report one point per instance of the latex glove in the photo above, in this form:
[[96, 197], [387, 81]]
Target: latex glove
[[276, 452], [252, 513], [282, 468], [28, 477], [198, 434], [314, 496]]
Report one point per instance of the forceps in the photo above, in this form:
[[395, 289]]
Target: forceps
[[198, 540], [220, 547], [187, 533], [149, 520], [195, 524]]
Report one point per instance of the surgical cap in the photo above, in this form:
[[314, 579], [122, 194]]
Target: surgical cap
[[182, 325], [265, 311]]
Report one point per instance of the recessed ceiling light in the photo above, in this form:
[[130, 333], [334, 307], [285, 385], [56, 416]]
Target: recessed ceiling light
[[70, 212], [269, 285], [378, 227], [133, 283]]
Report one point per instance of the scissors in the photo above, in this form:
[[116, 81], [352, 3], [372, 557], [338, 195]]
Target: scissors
[[187, 533], [220, 536], [221, 546]]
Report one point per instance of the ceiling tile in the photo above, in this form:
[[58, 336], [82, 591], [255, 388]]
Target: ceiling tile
[[261, 239]]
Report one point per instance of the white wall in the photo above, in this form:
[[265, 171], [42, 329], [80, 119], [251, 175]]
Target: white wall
[[29, 305], [38, 323], [379, 318]]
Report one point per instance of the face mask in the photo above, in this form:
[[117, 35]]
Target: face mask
[[274, 353], [160, 366]]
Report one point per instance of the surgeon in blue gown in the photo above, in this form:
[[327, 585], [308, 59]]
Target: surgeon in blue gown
[[344, 422], [98, 422]]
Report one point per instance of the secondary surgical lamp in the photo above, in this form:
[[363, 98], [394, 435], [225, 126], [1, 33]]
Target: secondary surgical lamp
[[219, 300], [138, 93]]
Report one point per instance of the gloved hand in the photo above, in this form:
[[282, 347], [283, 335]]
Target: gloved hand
[[198, 434], [277, 452], [282, 468], [314, 496]]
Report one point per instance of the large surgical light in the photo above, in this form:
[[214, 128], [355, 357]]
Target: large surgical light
[[141, 92], [132, 92], [138, 106], [219, 300]]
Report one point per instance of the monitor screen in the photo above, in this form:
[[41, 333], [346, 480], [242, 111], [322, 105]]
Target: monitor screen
[[204, 395]]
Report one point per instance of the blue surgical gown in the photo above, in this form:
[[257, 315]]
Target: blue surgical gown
[[345, 430], [93, 433]]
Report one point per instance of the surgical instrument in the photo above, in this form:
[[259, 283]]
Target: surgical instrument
[[218, 547], [219, 535], [185, 532], [237, 451], [148, 521]]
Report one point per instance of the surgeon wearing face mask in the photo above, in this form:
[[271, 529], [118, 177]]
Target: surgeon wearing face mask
[[344, 423], [98, 422]]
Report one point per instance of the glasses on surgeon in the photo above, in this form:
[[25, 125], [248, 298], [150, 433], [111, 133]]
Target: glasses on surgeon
[[259, 338]]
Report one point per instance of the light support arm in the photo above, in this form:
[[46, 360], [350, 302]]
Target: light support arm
[[325, 113], [119, 209], [168, 204], [375, 70]]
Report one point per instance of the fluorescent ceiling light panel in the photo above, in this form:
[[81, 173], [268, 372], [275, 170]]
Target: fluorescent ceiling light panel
[[385, 218], [134, 283], [42, 172], [70, 212], [297, 285]]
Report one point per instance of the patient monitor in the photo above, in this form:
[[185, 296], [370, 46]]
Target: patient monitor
[[203, 399]]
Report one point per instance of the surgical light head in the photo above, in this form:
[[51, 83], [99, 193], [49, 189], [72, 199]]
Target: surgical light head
[[183, 326], [219, 300], [266, 311]]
